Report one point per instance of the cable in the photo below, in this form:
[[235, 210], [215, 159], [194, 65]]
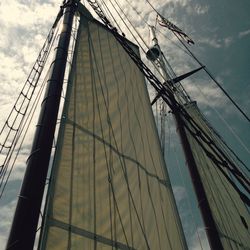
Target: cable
[[23, 102], [213, 78]]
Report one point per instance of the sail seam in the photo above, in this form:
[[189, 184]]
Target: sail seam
[[161, 181], [88, 234]]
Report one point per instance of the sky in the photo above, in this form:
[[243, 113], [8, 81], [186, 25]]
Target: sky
[[221, 31]]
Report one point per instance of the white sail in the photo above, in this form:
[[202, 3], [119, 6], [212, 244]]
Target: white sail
[[109, 185], [231, 216]]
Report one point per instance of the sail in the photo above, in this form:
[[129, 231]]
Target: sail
[[109, 185], [231, 216]]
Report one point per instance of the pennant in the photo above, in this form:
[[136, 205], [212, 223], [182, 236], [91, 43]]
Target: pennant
[[166, 23]]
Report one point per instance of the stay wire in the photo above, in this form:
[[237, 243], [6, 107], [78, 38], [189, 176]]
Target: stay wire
[[179, 92], [26, 124], [168, 97], [139, 35], [231, 130], [213, 78], [7, 160], [122, 19], [121, 161], [207, 71], [110, 13], [32, 82]]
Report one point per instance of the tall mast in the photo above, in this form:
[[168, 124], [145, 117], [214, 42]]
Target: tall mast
[[24, 225], [210, 226]]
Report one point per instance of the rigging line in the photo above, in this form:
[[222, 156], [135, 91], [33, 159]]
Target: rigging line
[[138, 91], [213, 78], [152, 6], [109, 175], [138, 13], [133, 145], [30, 117], [96, 7], [118, 91], [201, 133], [163, 172], [208, 173], [16, 138], [139, 35], [135, 29], [44, 52], [184, 184], [108, 121], [109, 159], [217, 152], [128, 26], [231, 130], [181, 91], [143, 19], [108, 11], [173, 104], [116, 146], [71, 173], [143, 145], [41, 58], [93, 62]]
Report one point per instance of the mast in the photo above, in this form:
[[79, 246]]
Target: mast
[[210, 226], [24, 225]]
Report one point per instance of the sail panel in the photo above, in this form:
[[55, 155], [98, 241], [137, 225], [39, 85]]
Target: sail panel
[[109, 185], [228, 210]]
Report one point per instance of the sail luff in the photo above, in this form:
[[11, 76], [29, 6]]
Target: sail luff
[[24, 226]]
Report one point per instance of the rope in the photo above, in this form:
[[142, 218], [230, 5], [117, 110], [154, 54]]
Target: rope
[[199, 133], [213, 78], [19, 111], [206, 70]]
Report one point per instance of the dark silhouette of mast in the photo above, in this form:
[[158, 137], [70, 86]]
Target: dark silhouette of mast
[[24, 226], [211, 230]]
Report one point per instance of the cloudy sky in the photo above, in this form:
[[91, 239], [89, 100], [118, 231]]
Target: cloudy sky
[[220, 29]]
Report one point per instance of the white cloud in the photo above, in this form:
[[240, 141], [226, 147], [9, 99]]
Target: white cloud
[[199, 240], [244, 33], [179, 193], [212, 42], [228, 41], [216, 42], [6, 214], [206, 94], [201, 9], [197, 9]]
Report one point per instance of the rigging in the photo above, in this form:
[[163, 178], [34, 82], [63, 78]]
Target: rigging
[[180, 35], [198, 132]]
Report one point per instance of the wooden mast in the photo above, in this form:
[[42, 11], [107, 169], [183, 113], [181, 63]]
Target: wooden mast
[[24, 225], [210, 226]]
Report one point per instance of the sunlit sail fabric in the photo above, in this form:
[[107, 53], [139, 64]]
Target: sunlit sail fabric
[[230, 213], [109, 187]]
